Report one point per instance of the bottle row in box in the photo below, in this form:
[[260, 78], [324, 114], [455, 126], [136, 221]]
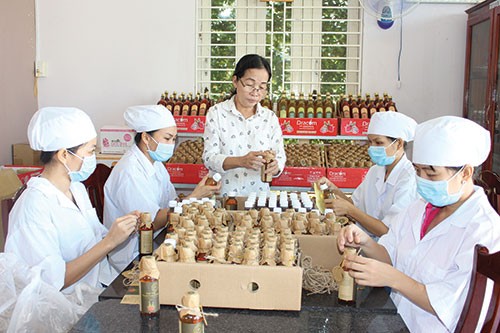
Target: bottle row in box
[[292, 126]]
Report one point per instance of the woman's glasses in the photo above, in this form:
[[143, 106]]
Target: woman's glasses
[[250, 86]]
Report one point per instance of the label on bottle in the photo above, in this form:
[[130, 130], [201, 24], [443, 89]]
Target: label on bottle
[[291, 112], [146, 242], [301, 112], [169, 107], [373, 111], [177, 110], [355, 112], [310, 113], [150, 297], [392, 108], [194, 110], [283, 113], [191, 328], [203, 109], [185, 110], [328, 112], [319, 112]]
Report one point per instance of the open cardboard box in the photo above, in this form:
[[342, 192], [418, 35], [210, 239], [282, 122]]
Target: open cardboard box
[[323, 250], [233, 286]]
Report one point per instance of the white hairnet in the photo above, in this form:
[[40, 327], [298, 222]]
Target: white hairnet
[[451, 141], [146, 118], [392, 124], [54, 128]]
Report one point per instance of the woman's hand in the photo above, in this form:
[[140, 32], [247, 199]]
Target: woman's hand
[[273, 168], [253, 160], [370, 272], [340, 206], [122, 228], [352, 236], [205, 191]]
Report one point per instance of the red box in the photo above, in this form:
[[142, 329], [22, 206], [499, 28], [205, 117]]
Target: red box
[[354, 126], [309, 126], [346, 177], [299, 176], [190, 124], [24, 173], [186, 173]]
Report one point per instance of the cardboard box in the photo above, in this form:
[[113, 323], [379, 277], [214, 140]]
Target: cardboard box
[[354, 127], [233, 286], [190, 124], [116, 139], [322, 249], [299, 176], [186, 173], [109, 160], [309, 126], [24, 173], [9, 185], [346, 177], [22, 154]]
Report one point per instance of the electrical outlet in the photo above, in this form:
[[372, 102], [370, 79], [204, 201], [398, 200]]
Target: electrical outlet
[[40, 69]]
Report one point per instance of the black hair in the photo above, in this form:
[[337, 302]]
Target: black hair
[[393, 139], [455, 169], [137, 137], [47, 156], [250, 61]]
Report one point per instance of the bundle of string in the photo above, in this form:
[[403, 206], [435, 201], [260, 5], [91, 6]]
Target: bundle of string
[[132, 275], [317, 280]]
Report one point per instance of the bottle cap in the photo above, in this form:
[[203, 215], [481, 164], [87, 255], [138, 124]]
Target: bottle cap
[[170, 241], [302, 210], [277, 210], [172, 203], [217, 177], [323, 187], [328, 210], [178, 210]]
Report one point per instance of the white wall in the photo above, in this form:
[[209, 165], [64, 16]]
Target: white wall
[[106, 55], [432, 61]]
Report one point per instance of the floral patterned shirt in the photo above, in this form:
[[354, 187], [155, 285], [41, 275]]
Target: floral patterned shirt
[[228, 133]]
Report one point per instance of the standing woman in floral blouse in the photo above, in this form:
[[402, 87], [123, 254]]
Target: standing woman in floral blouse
[[239, 130]]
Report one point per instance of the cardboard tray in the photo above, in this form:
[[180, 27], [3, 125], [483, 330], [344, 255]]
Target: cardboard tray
[[233, 286]]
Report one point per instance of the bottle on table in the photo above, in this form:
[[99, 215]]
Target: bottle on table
[[149, 290], [145, 235], [231, 202], [347, 287], [190, 314]]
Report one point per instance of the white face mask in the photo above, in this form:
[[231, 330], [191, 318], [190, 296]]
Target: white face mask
[[88, 167], [163, 151]]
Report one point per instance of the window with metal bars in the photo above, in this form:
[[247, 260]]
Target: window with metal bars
[[311, 44]]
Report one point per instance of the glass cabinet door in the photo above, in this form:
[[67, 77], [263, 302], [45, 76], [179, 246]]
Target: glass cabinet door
[[478, 73], [496, 95]]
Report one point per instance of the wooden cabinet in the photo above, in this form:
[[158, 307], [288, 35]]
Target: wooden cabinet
[[481, 92]]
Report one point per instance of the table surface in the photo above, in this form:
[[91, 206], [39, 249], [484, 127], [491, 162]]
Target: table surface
[[374, 312]]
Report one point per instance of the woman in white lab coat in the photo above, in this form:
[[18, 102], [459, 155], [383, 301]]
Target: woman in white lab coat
[[53, 219], [389, 186], [140, 181], [427, 255]]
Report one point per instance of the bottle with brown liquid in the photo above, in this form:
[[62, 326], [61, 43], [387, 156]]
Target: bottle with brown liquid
[[145, 235], [329, 111], [363, 109], [203, 106], [282, 106], [195, 106], [347, 287], [231, 202], [372, 108], [177, 106], [381, 106], [149, 288], [171, 102], [310, 107], [319, 107], [186, 105], [327, 194], [214, 180], [191, 317], [301, 106], [163, 100], [292, 106], [354, 108], [345, 109], [390, 106], [266, 102]]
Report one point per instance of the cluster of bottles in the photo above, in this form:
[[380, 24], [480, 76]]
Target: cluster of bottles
[[186, 104], [358, 107], [279, 203]]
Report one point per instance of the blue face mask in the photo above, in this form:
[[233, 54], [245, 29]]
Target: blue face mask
[[163, 151], [379, 156], [87, 168], [436, 192]]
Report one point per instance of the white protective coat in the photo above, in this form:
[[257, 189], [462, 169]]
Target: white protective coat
[[442, 260], [45, 224], [134, 184], [385, 199]]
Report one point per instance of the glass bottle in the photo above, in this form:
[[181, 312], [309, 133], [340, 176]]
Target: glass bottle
[[345, 109], [268, 158], [214, 180], [203, 106], [292, 106], [301, 106], [231, 202], [354, 106], [145, 235], [148, 287], [390, 106], [266, 102], [186, 105], [177, 107], [372, 108], [319, 107], [347, 287], [282, 106], [195, 106], [190, 317], [327, 194], [363, 109], [171, 102], [163, 100], [329, 112], [310, 107]]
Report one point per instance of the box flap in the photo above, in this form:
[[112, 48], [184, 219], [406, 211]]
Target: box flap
[[9, 183]]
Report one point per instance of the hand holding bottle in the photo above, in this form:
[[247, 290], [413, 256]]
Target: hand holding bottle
[[252, 160], [205, 191], [352, 236], [121, 228]]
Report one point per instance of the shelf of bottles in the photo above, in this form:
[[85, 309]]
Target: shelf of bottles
[[315, 117]]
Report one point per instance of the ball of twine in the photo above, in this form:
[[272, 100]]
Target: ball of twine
[[316, 280]]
